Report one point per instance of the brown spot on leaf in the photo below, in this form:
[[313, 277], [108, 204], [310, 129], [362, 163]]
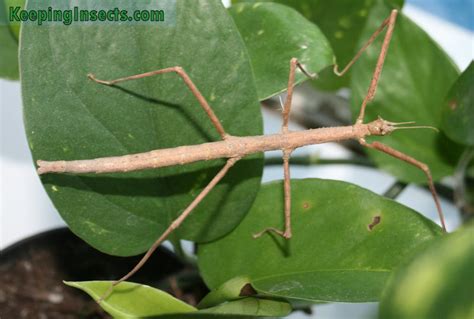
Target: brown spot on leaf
[[247, 290], [305, 205], [453, 104], [375, 222]]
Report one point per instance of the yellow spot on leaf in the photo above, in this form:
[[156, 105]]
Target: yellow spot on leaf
[[54, 188], [306, 205], [362, 13], [260, 32], [338, 34], [453, 104], [345, 22], [96, 228]]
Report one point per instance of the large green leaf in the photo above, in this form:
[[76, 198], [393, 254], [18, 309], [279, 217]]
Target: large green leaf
[[131, 300], [342, 21], [438, 283], [9, 47], [458, 111], [416, 77], [332, 256], [274, 34], [70, 117]]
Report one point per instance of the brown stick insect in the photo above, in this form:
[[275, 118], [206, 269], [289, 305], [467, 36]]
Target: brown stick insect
[[236, 147]]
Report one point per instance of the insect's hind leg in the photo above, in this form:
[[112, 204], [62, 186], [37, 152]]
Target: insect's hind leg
[[175, 224], [189, 83], [420, 165]]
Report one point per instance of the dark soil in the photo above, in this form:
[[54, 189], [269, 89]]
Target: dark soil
[[32, 271]]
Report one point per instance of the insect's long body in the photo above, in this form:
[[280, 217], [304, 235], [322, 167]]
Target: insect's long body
[[234, 148], [231, 147]]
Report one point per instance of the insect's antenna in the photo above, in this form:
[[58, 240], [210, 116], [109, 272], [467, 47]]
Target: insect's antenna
[[410, 127], [399, 123], [396, 127]]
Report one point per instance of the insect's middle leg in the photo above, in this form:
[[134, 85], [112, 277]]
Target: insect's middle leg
[[294, 64], [287, 195]]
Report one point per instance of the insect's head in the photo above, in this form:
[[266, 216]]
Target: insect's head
[[383, 127], [380, 127]]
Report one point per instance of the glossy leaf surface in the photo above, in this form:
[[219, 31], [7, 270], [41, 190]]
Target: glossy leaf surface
[[274, 34], [332, 256], [69, 117]]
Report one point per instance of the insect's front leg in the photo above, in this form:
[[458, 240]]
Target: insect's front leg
[[420, 165], [388, 23]]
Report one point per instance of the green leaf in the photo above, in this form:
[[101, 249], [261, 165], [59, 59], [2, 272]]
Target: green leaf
[[342, 22], [232, 298], [438, 283], [458, 111], [274, 34], [252, 307], [131, 300], [413, 85], [233, 289], [332, 256], [203, 315], [9, 48], [69, 117]]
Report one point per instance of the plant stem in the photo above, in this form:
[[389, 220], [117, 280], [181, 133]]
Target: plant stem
[[177, 247], [312, 160], [460, 195], [395, 189]]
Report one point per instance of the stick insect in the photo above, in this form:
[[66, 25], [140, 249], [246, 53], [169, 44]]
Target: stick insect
[[233, 148]]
